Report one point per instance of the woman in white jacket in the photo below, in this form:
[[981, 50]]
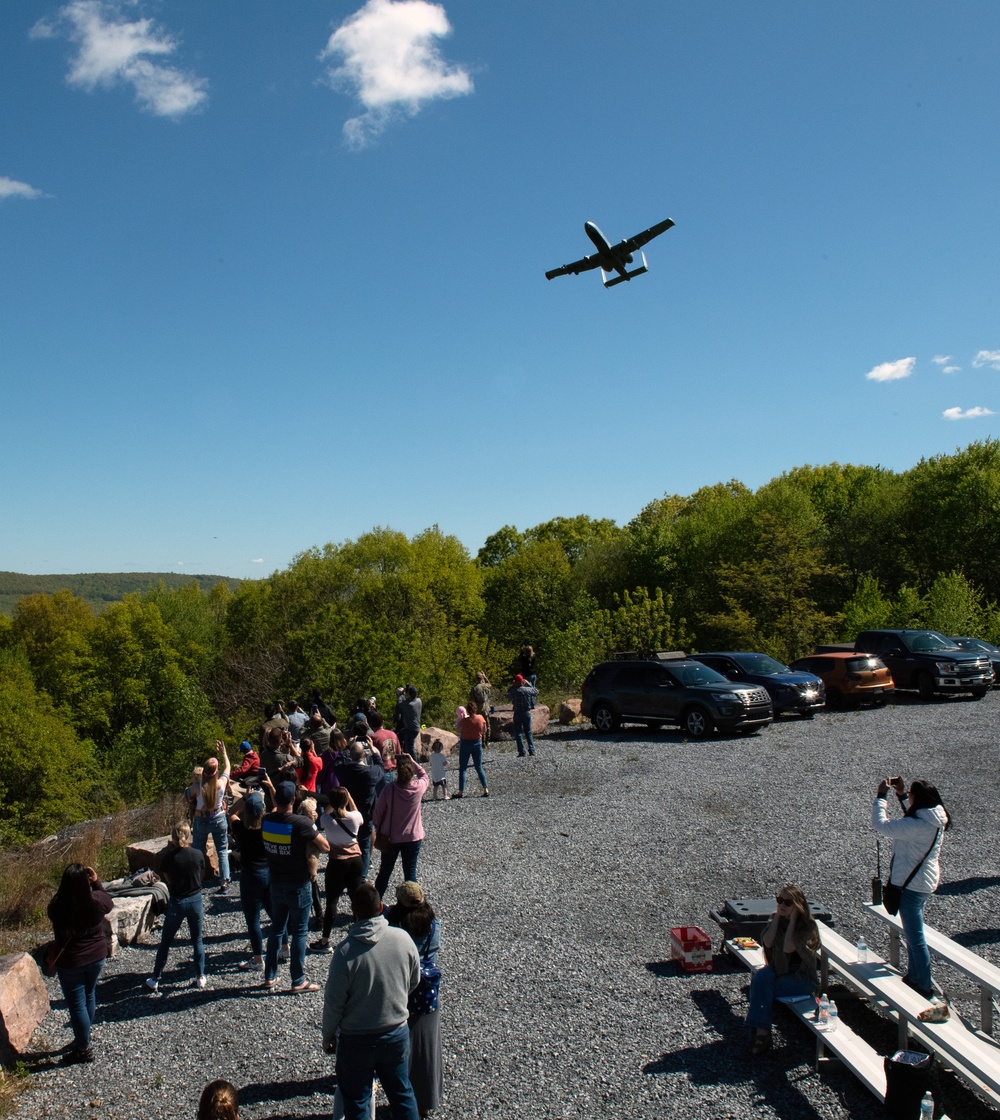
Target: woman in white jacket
[[916, 847]]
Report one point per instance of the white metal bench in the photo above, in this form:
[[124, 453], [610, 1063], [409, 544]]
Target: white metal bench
[[973, 1057], [985, 975], [847, 1047]]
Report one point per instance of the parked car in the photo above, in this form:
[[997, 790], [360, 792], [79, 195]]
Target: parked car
[[977, 645], [850, 679], [791, 690], [928, 661], [670, 688]]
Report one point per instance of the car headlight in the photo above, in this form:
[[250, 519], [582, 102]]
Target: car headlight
[[946, 668], [727, 697]]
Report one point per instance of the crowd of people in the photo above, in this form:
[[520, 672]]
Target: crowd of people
[[306, 789]]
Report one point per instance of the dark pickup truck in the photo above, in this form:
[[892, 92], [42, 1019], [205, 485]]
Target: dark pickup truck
[[928, 662]]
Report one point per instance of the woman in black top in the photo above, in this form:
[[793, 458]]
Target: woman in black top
[[182, 869], [77, 914], [255, 878]]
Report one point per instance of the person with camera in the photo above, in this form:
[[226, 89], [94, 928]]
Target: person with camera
[[915, 870]]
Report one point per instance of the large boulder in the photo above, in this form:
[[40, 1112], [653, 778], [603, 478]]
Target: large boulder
[[131, 919], [569, 712], [502, 721], [449, 741], [24, 1003], [150, 853]]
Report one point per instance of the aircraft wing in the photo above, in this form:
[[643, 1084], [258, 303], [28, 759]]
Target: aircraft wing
[[584, 265], [631, 244]]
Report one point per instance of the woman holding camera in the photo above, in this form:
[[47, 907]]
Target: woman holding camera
[[791, 942], [916, 847]]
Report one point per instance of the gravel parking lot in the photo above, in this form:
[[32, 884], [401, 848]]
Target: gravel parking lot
[[557, 895]]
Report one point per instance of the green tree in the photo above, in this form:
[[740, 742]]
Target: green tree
[[46, 771], [642, 624], [953, 606]]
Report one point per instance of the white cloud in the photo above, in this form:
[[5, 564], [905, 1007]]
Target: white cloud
[[968, 414], [941, 359], [952, 369], [113, 50], [390, 61], [11, 188], [892, 371], [989, 358], [257, 560]]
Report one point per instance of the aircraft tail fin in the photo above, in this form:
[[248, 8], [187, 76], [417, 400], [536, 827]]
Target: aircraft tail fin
[[617, 278]]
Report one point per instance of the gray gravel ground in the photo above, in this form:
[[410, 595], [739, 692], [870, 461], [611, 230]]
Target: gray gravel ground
[[557, 896]]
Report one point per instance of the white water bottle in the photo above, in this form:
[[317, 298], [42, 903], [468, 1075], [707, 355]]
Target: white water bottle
[[862, 950], [927, 1107], [824, 1012], [834, 1019]]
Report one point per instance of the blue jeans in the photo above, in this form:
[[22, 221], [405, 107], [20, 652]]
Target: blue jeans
[[765, 987], [470, 751], [216, 825], [522, 726], [918, 957], [408, 850], [408, 742], [290, 906], [177, 910], [255, 893], [79, 986], [365, 844], [361, 1057]]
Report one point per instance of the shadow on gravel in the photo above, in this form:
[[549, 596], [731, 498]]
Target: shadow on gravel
[[267, 1092], [967, 886], [973, 937], [726, 1061], [124, 997]]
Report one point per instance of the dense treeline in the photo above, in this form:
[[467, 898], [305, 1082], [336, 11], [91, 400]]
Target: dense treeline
[[97, 588], [97, 709]]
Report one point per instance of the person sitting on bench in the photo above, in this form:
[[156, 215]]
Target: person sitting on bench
[[791, 942]]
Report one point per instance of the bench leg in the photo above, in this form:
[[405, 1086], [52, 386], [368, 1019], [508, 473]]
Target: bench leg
[[894, 947], [986, 1009]]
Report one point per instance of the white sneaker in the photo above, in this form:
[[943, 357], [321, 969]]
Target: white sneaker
[[200, 982], [284, 954], [152, 983]]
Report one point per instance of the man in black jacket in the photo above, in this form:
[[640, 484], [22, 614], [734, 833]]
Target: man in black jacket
[[360, 779]]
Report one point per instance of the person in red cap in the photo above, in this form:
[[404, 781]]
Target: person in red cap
[[523, 696]]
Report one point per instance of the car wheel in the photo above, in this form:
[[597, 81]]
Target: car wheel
[[834, 700], [605, 718], [696, 723], [925, 686]]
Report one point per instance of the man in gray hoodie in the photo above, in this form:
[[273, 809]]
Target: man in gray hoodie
[[372, 972]]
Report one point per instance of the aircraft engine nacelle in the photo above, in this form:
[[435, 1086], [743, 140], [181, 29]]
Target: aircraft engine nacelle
[[628, 259]]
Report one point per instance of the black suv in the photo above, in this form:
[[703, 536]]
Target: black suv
[[671, 688], [928, 661], [791, 690]]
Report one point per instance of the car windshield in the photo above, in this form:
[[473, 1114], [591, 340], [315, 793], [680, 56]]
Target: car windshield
[[973, 643], [693, 672], [864, 664], [926, 641], [760, 663]]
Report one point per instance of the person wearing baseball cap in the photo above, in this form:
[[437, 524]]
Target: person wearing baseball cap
[[289, 838]]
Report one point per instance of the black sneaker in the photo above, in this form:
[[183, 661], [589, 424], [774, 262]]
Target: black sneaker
[[925, 992], [321, 946], [78, 1055]]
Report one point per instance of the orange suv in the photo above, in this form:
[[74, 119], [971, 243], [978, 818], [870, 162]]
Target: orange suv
[[850, 678]]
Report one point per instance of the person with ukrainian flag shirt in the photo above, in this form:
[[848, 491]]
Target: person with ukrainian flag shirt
[[288, 839]]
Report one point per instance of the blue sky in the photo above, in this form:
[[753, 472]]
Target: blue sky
[[273, 274]]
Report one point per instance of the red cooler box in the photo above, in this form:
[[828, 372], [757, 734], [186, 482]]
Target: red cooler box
[[691, 947]]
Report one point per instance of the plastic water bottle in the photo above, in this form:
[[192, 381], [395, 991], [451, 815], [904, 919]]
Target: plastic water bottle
[[834, 1019], [862, 950], [824, 1012], [927, 1107]]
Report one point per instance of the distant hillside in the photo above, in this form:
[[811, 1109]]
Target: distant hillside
[[98, 588]]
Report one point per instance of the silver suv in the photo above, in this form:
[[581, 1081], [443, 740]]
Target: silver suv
[[672, 688]]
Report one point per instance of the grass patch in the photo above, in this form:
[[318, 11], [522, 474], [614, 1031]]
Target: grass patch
[[13, 1082]]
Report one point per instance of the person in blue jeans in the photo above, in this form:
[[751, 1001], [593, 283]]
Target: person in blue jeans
[[210, 813], [255, 876], [365, 1012], [77, 913], [523, 696], [916, 868], [790, 942], [288, 839], [182, 870]]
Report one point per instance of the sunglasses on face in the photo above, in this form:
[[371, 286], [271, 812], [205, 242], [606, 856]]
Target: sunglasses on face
[[782, 901]]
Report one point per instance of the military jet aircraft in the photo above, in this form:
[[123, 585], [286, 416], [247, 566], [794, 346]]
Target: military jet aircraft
[[613, 258]]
